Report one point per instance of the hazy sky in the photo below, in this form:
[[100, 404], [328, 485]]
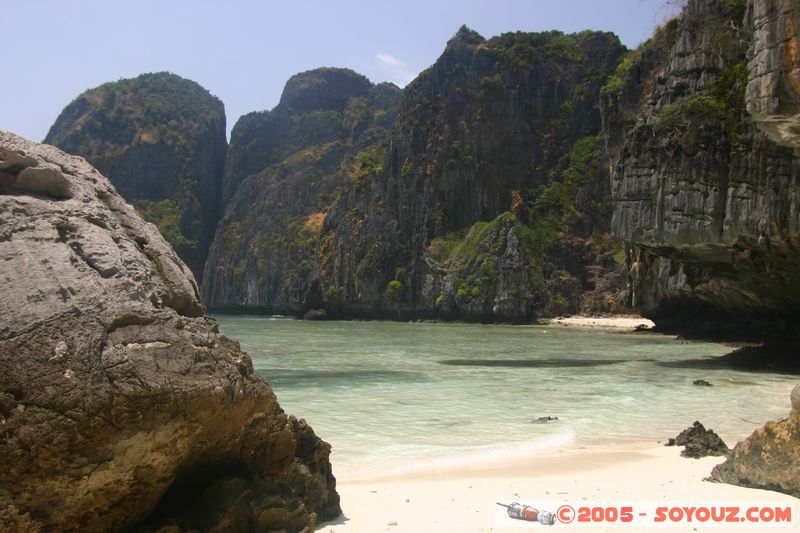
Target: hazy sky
[[243, 51]]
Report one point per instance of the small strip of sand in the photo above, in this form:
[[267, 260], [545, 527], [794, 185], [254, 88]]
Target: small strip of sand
[[611, 323], [463, 500]]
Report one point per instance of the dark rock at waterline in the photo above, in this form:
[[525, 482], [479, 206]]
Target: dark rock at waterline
[[699, 442], [315, 314], [121, 404], [702, 383], [769, 458], [545, 419]]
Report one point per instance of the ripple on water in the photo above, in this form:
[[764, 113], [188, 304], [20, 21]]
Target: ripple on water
[[387, 395]]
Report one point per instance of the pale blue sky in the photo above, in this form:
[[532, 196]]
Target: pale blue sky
[[243, 51]]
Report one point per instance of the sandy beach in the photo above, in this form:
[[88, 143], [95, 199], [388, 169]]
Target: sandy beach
[[611, 323], [641, 475]]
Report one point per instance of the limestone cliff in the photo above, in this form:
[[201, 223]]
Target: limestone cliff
[[285, 171], [121, 404], [483, 209], [707, 202], [773, 88], [160, 139], [482, 200]]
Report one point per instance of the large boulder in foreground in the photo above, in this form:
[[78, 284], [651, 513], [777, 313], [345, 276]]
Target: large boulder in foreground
[[121, 404], [769, 458]]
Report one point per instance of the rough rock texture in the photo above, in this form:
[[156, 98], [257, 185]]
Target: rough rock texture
[[317, 107], [120, 402], [709, 205], [699, 442], [773, 88], [160, 139], [769, 458], [482, 200], [472, 216], [284, 172]]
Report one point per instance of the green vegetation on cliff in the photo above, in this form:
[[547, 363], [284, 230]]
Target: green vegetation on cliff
[[722, 106], [287, 170], [165, 214], [700, 189], [547, 230], [475, 193], [160, 139], [103, 123]]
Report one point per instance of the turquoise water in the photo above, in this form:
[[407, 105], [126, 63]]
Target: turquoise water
[[392, 396]]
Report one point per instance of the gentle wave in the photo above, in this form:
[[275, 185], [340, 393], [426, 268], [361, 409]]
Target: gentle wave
[[400, 460], [532, 363]]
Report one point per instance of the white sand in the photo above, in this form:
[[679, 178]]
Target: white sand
[[464, 500], [614, 322], [640, 475]]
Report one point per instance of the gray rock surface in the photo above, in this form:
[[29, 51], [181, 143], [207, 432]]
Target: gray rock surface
[[708, 202], [773, 89], [120, 401]]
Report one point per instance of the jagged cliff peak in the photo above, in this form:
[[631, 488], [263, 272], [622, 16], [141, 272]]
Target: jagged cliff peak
[[317, 107], [324, 88], [386, 89], [465, 37]]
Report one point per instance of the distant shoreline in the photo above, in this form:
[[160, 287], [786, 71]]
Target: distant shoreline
[[611, 322]]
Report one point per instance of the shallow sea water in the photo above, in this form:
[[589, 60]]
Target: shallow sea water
[[393, 396]]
